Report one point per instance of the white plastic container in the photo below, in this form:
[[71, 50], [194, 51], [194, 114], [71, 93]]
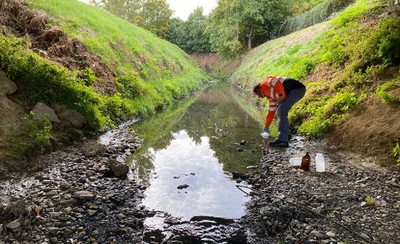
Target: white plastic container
[[296, 161], [319, 163], [265, 135]]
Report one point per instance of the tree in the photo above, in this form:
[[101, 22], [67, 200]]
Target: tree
[[126, 9], [155, 17], [235, 24], [177, 33], [198, 40], [190, 35]]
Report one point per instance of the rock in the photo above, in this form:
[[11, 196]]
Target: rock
[[117, 169], [90, 172], [51, 193], [13, 225], [53, 230], [69, 117], [382, 203], [91, 212], [42, 111], [81, 235], [10, 123], [65, 186], [68, 202], [67, 233], [93, 149], [330, 234], [7, 87], [317, 234], [184, 186], [365, 236], [75, 134], [84, 195], [55, 214], [53, 239], [67, 210]]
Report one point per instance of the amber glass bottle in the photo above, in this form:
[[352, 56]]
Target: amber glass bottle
[[305, 162]]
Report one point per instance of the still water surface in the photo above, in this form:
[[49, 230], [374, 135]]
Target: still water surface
[[190, 151]]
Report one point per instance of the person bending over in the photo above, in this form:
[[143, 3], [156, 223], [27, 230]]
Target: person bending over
[[282, 93]]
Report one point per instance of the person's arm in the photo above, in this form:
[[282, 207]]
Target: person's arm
[[271, 112]]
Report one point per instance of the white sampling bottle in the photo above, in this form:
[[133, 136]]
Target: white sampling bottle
[[296, 161], [319, 162], [265, 135]]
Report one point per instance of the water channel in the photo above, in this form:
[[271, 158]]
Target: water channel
[[190, 155]]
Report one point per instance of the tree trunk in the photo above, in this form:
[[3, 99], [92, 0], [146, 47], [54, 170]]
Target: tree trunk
[[249, 39]]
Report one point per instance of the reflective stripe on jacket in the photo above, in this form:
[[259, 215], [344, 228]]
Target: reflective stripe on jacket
[[272, 88]]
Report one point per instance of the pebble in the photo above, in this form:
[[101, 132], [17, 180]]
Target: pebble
[[330, 234], [13, 225]]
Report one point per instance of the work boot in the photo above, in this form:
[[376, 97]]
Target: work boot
[[278, 143]]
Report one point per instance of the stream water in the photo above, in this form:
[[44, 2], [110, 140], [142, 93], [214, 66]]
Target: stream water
[[191, 156]]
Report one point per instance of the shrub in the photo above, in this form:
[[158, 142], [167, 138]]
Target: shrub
[[382, 92], [88, 76], [45, 81], [396, 152], [119, 108], [342, 102], [315, 15], [34, 132], [326, 112], [131, 86]]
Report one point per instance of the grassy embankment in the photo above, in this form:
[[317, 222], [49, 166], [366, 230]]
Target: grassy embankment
[[149, 72], [343, 62]]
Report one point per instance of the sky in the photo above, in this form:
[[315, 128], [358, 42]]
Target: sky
[[183, 8]]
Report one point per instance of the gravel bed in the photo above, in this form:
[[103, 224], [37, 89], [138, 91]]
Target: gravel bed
[[353, 201]]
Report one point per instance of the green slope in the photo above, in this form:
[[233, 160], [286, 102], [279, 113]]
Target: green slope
[[146, 71], [342, 62]]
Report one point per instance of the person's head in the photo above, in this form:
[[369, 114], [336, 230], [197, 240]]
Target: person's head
[[257, 90]]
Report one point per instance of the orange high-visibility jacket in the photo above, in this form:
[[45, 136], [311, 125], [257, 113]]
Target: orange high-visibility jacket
[[272, 88]]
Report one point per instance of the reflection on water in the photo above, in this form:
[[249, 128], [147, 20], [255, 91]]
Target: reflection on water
[[189, 151], [185, 163]]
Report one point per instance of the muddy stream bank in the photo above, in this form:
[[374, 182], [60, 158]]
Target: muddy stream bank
[[198, 174]]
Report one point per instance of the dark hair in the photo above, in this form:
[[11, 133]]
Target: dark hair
[[256, 88]]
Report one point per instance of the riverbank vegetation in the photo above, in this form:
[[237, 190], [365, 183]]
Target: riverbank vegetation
[[344, 62], [76, 55], [145, 72]]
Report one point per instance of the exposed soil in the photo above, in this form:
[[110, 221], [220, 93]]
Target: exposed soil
[[372, 131], [208, 61], [51, 42]]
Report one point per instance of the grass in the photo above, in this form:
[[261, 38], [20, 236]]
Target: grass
[[149, 71], [290, 55]]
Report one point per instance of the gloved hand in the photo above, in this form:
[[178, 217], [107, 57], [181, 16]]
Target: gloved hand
[[265, 132]]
